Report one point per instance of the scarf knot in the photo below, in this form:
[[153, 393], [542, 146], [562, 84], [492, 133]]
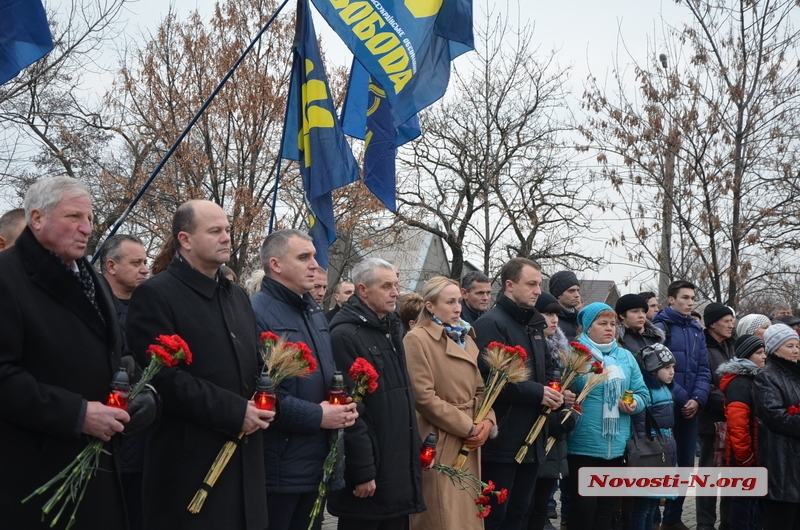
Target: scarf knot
[[457, 332]]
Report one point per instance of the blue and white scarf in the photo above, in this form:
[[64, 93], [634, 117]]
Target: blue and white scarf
[[457, 332], [612, 386]]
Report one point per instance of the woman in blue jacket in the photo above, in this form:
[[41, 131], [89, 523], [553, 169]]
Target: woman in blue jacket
[[605, 425]]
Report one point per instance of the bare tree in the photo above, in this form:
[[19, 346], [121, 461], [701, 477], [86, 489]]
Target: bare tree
[[710, 138], [491, 173]]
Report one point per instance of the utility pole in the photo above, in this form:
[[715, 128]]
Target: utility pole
[[665, 274]]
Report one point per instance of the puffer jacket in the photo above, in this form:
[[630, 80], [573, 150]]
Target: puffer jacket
[[384, 443], [294, 445], [519, 404], [741, 441], [662, 407], [587, 438], [634, 341], [719, 353], [776, 388], [687, 343]]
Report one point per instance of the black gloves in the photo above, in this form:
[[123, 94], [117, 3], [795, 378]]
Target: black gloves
[[143, 410]]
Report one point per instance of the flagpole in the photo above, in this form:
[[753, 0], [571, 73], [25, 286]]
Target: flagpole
[[278, 171], [188, 128]]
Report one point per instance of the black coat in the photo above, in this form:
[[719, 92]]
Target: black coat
[[468, 314], [56, 354], [203, 403], [634, 341], [714, 410], [294, 446], [776, 387], [519, 404], [568, 323], [384, 443]]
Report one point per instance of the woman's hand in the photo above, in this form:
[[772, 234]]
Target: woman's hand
[[627, 408], [480, 435]]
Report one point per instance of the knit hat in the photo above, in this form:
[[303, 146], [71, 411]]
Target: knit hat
[[789, 320], [656, 357], [628, 302], [750, 323], [776, 335], [587, 315], [714, 312], [746, 345], [547, 303], [561, 281]]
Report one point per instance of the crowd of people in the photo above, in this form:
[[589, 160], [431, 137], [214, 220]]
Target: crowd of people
[[66, 329]]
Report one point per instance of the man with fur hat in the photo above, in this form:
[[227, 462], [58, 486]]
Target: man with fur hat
[[634, 330], [564, 285], [719, 321]]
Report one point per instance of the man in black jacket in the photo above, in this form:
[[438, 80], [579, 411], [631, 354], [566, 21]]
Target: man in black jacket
[[208, 402], [476, 291], [296, 444], [383, 482], [515, 322], [564, 285], [60, 345]]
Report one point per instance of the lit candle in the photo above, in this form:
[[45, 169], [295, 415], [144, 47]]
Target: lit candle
[[337, 395], [265, 394], [428, 452], [118, 396]]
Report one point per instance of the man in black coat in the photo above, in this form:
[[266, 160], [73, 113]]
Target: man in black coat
[[60, 346], [209, 401], [383, 481], [296, 445], [564, 285], [514, 321]]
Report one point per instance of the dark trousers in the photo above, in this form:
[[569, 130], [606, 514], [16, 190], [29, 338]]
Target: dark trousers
[[540, 502], [588, 513], [781, 515], [686, 439], [707, 506], [292, 511], [745, 513], [397, 523], [643, 511], [132, 486], [519, 480]]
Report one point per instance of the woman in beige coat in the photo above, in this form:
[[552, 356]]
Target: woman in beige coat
[[443, 364]]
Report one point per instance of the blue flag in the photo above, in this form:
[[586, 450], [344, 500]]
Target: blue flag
[[406, 45], [24, 36], [313, 136], [367, 115]]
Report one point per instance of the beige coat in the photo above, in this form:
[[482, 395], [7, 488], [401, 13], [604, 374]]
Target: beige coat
[[447, 389]]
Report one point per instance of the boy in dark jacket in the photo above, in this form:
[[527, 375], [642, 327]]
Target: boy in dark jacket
[[658, 370]]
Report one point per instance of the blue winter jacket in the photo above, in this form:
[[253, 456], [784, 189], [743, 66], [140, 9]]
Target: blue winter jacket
[[587, 438], [294, 445], [687, 343]]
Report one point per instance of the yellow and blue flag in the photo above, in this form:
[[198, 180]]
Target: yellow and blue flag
[[406, 45], [313, 136], [24, 36], [367, 115]]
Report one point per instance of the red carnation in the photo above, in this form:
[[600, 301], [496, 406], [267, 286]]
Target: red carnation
[[793, 410], [269, 336], [159, 352], [502, 496], [489, 488], [519, 350], [176, 347], [495, 345], [597, 368], [484, 512], [482, 500]]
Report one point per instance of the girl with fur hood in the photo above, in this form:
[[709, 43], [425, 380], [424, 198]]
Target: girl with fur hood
[[741, 441]]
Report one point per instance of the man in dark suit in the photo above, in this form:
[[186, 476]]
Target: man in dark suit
[[208, 402], [60, 346]]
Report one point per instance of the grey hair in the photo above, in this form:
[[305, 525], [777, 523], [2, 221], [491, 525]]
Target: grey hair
[[472, 278], [275, 244], [45, 194], [112, 248], [9, 220], [364, 271]]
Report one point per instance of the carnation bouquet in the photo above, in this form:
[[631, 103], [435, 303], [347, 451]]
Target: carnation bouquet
[[506, 365], [74, 479], [282, 359], [576, 362], [482, 491], [365, 380], [596, 376]]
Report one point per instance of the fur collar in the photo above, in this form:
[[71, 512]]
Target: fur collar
[[738, 368], [557, 343], [649, 330]]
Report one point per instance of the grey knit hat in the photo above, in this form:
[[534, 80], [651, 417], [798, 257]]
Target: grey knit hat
[[776, 335], [656, 357], [561, 281]]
